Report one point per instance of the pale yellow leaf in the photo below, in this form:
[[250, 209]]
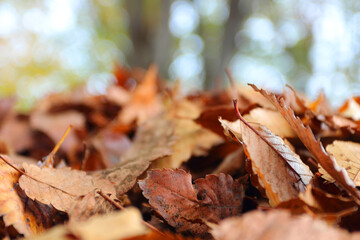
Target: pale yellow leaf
[[117, 225], [347, 155]]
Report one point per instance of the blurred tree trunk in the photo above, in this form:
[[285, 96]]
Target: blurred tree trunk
[[149, 32], [239, 11]]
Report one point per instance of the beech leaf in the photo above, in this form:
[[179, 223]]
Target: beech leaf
[[315, 147], [280, 171]]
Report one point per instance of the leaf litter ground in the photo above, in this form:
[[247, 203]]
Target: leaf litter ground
[[147, 162]]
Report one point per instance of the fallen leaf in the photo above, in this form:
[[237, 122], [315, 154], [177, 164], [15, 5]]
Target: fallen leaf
[[16, 133], [153, 140], [321, 105], [277, 224], [54, 125], [12, 208], [185, 206], [209, 118], [89, 205], [272, 120], [111, 145], [161, 236], [347, 155], [281, 172], [328, 162], [60, 187], [117, 225], [351, 108], [233, 163], [144, 101], [192, 139]]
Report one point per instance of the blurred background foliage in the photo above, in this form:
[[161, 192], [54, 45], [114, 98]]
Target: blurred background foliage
[[56, 45]]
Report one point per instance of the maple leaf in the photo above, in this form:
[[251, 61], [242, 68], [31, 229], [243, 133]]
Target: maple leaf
[[153, 140], [59, 187], [116, 225], [280, 170], [186, 206], [347, 156], [11, 205], [328, 162], [277, 224]]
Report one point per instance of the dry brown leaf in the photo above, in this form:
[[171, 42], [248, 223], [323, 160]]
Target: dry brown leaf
[[144, 101], [117, 225], [12, 208], [89, 205], [153, 140], [186, 206], [272, 120], [279, 225], [347, 155], [328, 162], [16, 133], [209, 118], [111, 145], [192, 139], [161, 236], [253, 97], [351, 108], [232, 163], [60, 187], [281, 172], [54, 125]]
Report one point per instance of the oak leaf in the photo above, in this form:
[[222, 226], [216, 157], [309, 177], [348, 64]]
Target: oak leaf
[[60, 187], [277, 224], [185, 206], [315, 147], [281, 172]]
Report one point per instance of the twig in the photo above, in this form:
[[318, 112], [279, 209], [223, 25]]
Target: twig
[[49, 159], [107, 198], [232, 83]]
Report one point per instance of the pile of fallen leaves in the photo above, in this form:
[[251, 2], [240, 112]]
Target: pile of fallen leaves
[[145, 162]]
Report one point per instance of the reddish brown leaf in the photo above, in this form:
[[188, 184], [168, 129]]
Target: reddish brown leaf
[[328, 162], [186, 206]]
